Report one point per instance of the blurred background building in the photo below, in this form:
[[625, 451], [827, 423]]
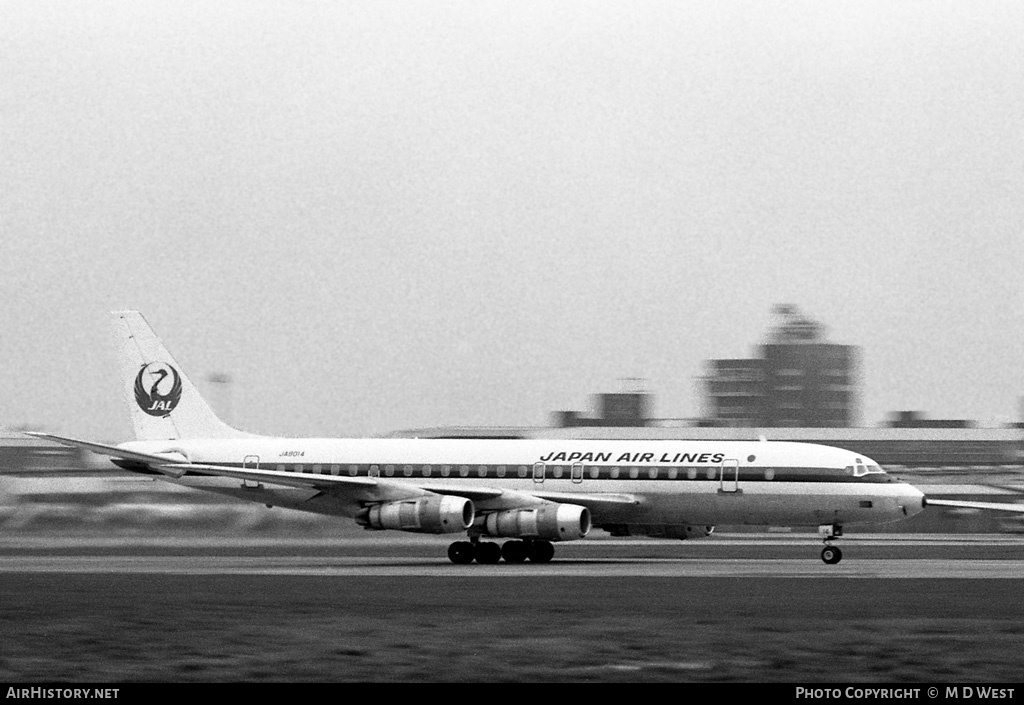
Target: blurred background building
[[799, 380], [628, 408]]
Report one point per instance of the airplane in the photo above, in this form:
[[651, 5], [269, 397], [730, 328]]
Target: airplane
[[529, 493]]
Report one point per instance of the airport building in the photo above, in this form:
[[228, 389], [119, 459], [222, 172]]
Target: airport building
[[799, 380], [629, 408]]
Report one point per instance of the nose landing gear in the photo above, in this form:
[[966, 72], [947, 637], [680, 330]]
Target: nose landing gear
[[830, 554]]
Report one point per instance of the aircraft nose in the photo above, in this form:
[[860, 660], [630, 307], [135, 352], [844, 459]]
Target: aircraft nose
[[911, 500]]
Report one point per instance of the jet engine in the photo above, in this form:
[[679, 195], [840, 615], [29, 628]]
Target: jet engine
[[551, 522], [434, 514], [660, 531]]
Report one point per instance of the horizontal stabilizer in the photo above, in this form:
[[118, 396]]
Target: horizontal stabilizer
[[113, 451], [995, 506]]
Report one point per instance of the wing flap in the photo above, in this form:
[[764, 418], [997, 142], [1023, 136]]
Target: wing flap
[[493, 498], [590, 500], [474, 494]]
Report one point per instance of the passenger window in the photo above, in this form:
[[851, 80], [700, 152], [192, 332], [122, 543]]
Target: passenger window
[[317, 469], [389, 470], [335, 469], [446, 470], [353, 470], [407, 470], [556, 471], [501, 471], [463, 471], [673, 473], [481, 471], [615, 473], [594, 473], [282, 468], [652, 473], [634, 472], [426, 471], [522, 471]]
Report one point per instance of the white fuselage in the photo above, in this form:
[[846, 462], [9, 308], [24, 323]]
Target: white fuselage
[[622, 482]]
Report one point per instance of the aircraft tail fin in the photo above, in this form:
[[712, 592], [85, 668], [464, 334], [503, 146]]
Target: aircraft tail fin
[[162, 401]]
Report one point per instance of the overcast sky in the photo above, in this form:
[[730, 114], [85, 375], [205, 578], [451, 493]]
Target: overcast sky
[[383, 215]]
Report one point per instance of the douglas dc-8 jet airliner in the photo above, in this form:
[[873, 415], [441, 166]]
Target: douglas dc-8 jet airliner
[[532, 493]]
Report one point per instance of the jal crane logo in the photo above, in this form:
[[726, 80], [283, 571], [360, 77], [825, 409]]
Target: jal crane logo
[[157, 388]]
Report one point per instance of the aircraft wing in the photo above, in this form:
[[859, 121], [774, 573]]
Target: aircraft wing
[[997, 506], [370, 489], [389, 489], [383, 490], [334, 483]]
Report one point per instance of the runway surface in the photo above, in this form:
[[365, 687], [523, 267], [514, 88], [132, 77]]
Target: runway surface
[[666, 568], [884, 556], [732, 608]]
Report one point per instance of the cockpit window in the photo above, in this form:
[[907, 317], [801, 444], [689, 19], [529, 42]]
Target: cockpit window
[[861, 469]]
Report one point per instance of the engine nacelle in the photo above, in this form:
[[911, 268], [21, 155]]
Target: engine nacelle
[[660, 531], [435, 514], [551, 522]]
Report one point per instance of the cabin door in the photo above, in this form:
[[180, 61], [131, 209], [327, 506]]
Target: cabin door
[[251, 462], [730, 478]]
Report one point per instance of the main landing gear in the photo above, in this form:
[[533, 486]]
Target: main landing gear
[[830, 554], [489, 552]]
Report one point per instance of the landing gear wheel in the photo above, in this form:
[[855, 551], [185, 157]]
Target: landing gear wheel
[[540, 551], [461, 552], [831, 555], [513, 551], [487, 552]]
